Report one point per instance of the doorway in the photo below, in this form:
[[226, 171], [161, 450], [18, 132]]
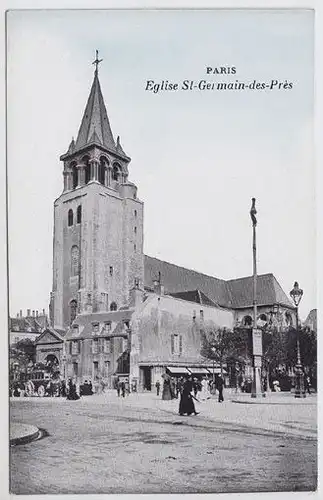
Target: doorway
[[146, 379]]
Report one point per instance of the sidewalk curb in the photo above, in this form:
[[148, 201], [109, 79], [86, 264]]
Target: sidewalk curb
[[281, 403], [32, 434]]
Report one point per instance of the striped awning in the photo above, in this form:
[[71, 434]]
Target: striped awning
[[198, 370], [178, 370], [218, 370]]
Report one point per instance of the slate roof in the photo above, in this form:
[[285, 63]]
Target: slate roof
[[237, 293], [116, 318], [179, 279], [194, 296], [30, 324], [269, 292]]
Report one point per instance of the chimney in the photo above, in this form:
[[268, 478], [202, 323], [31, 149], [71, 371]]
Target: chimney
[[158, 287], [17, 315], [201, 315], [44, 312], [36, 314], [21, 313], [33, 313], [136, 295], [28, 313]]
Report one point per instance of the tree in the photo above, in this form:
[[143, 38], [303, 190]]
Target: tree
[[27, 347], [223, 345], [308, 347], [21, 357]]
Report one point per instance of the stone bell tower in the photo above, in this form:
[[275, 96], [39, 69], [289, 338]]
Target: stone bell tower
[[98, 222]]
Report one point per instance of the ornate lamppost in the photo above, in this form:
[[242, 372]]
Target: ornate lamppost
[[296, 294]]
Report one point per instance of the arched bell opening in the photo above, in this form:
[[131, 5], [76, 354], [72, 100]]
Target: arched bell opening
[[86, 162], [103, 165], [116, 172]]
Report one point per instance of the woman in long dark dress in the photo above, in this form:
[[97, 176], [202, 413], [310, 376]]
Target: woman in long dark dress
[[167, 395], [72, 394], [186, 404]]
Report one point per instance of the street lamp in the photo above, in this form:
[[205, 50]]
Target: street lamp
[[213, 349], [296, 294]]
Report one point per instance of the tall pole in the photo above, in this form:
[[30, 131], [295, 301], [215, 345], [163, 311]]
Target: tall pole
[[256, 334], [296, 294], [254, 250], [299, 386]]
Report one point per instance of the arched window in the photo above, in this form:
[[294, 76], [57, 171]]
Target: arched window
[[79, 214], [75, 260], [102, 169], [75, 176], [86, 162], [135, 213], [70, 217], [247, 321], [115, 172], [113, 306], [73, 310]]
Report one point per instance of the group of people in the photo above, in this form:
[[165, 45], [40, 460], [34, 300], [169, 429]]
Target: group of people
[[123, 388], [190, 389]]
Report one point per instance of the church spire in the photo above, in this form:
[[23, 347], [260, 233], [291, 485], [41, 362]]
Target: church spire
[[95, 120], [95, 129]]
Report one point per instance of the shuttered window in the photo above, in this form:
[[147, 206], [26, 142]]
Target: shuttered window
[[75, 347], [172, 343], [95, 346], [106, 346], [176, 344]]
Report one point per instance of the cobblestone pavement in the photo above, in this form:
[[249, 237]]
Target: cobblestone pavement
[[102, 444]]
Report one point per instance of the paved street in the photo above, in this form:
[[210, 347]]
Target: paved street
[[102, 444]]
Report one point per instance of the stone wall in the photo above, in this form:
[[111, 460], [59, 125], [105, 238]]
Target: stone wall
[[162, 316], [110, 241]]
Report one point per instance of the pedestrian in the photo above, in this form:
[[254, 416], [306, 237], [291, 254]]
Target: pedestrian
[[186, 404], [178, 387], [219, 386], [118, 386], [173, 388], [127, 387], [63, 389], [123, 389], [157, 387], [167, 395], [72, 394], [307, 384], [204, 392], [195, 386]]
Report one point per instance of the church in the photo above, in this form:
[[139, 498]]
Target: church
[[115, 311]]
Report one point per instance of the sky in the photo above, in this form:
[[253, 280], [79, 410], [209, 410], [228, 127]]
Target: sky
[[197, 157]]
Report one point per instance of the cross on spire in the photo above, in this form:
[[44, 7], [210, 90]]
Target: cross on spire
[[97, 60]]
